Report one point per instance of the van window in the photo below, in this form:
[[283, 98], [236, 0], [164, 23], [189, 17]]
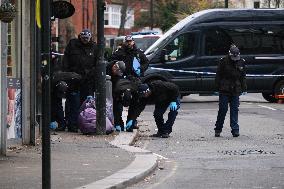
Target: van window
[[250, 40], [181, 47], [218, 41], [242, 38], [268, 40]]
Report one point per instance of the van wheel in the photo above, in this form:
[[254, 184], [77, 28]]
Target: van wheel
[[279, 89], [269, 97]]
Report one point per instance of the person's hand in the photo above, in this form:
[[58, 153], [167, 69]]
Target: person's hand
[[138, 71], [173, 106], [244, 93], [129, 124], [118, 128]]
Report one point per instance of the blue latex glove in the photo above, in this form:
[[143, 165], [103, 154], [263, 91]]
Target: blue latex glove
[[244, 93], [173, 106], [138, 71], [118, 128], [53, 125], [89, 98], [136, 66], [129, 124]]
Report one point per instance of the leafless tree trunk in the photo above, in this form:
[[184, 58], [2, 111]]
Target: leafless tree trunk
[[273, 3], [267, 3], [70, 29], [277, 3], [94, 20], [67, 31], [123, 12]]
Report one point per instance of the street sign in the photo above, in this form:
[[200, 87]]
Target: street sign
[[62, 9]]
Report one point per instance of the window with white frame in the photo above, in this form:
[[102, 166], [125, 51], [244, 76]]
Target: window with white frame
[[129, 18], [106, 16], [112, 16]]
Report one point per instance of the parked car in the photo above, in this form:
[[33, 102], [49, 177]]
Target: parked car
[[143, 40], [199, 41]]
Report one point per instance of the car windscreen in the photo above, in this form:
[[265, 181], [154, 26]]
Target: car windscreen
[[145, 42]]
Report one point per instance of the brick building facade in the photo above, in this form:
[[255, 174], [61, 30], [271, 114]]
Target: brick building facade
[[85, 17]]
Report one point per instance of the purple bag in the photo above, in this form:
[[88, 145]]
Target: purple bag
[[87, 121], [87, 118]]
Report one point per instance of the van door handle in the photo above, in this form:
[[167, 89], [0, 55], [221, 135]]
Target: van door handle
[[269, 58]]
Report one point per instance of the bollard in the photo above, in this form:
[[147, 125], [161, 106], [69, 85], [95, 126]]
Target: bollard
[[108, 88]]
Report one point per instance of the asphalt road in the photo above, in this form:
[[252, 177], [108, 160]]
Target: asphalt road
[[193, 158]]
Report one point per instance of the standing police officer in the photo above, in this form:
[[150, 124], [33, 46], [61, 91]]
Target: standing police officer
[[135, 60], [80, 56], [231, 82]]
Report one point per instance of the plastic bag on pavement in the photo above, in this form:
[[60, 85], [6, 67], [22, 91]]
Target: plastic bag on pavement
[[87, 117], [109, 111]]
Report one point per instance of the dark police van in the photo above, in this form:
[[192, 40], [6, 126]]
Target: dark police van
[[199, 41]]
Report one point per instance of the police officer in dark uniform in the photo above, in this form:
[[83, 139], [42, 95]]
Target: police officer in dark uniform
[[136, 64], [80, 56], [164, 95], [231, 82], [58, 91], [116, 70], [135, 60]]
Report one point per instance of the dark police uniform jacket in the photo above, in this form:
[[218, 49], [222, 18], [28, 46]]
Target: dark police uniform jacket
[[81, 58], [163, 93], [231, 76], [127, 55]]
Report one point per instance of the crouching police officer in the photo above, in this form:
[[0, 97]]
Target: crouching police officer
[[164, 95], [116, 70], [136, 62], [123, 90], [231, 82], [58, 92]]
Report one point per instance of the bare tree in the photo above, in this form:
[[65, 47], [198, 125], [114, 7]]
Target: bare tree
[[67, 31], [273, 3], [123, 13], [125, 9], [278, 3], [94, 19], [267, 3]]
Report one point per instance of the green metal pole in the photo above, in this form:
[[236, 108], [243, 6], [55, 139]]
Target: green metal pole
[[45, 60], [3, 121], [101, 72]]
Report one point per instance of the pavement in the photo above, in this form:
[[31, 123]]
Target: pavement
[[79, 161]]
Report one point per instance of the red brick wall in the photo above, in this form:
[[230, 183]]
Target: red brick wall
[[78, 23], [77, 18]]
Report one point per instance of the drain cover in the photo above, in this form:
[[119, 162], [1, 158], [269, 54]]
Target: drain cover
[[244, 152]]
